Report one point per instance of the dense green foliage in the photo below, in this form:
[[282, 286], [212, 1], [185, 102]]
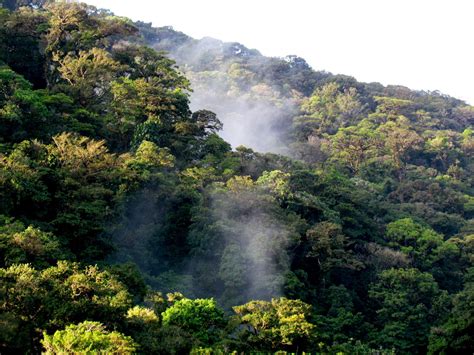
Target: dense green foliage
[[87, 338], [114, 193]]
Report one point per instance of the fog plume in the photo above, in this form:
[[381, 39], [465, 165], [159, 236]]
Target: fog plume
[[227, 78], [260, 125], [241, 248]]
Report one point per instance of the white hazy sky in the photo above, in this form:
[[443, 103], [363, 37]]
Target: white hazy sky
[[422, 44]]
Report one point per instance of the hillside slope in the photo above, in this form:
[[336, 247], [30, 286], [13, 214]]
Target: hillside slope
[[256, 97], [128, 225]]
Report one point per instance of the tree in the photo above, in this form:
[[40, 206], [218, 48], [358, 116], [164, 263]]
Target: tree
[[280, 324], [15, 4], [243, 233], [455, 335], [142, 62], [329, 247], [87, 337], [445, 148], [400, 140], [149, 155], [393, 107], [102, 162], [328, 108], [201, 318], [354, 146], [206, 122], [25, 113], [29, 245], [54, 297], [90, 74], [21, 36], [75, 27], [420, 243], [87, 177], [339, 323], [407, 303], [144, 325], [147, 110]]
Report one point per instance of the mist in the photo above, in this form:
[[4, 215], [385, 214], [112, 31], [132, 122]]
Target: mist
[[135, 231], [241, 247], [226, 78], [257, 125], [237, 247]]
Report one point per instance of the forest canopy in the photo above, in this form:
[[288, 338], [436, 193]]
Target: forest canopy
[[128, 224]]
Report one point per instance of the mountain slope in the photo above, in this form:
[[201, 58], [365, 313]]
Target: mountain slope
[[256, 97], [128, 225]]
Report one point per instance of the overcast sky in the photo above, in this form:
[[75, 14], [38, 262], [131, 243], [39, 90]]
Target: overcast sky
[[422, 44]]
